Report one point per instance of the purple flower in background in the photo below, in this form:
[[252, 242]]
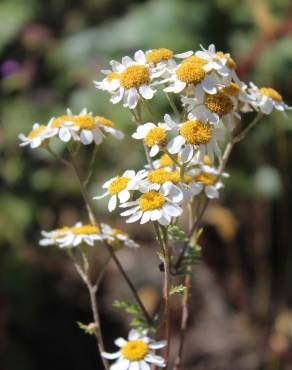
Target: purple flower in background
[[9, 67]]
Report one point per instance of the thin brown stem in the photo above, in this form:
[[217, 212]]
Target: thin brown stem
[[91, 166], [93, 302], [183, 324], [162, 238], [93, 220]]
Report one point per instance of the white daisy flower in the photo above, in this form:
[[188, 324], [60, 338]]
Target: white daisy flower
[[89, 129], [134, 79], [37, 136], [158, 206], [117, 237], [153, 135], [266, 99], [206, 181], [191, 76], [194, 136], [218, 61], [119, 188], [64, 127], [136, 353], [212, 108], [80, 234], [162, 60]]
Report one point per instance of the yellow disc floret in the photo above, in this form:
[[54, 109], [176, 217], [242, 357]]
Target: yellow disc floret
[[135, 76], [151, 201], [157, 55], [206, 178], [118, 184], [85, 229], [159, 176], [104, 121], [37, 131], [219, 103], [195, 132], [196, 60], [135, 350], [165, 160], [271, 93], [190, 73], [86, 122], [233, 89], [157, 136], [57, 121], [207, 161]]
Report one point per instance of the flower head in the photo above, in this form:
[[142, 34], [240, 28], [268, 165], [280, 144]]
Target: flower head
[[138, 352], [116, 237], [120, 188], [37, 136]]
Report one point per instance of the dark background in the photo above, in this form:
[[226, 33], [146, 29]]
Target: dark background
[[51, 51]]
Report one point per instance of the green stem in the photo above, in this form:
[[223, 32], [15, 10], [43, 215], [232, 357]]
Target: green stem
[[172, 104]]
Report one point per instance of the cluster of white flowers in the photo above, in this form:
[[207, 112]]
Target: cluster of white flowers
[[159, 193], [212, 100], [70, 237], [84, 127]]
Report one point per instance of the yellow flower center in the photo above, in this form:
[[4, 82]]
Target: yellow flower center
[[37, 131], [157, 55], [118, 184], [219, 103], [232, 89], [206, 178], [104, 121], [176, 178], [195, 132], [190, 73], [157, 136], [165, 160], [116, 231], [86, 122], [63, 229], [135, 350], [151, 200], [230, 62], [111, 76], [271, 93], [159, 176], [135, 76], [85, 229], [196, 60], [57, 121]]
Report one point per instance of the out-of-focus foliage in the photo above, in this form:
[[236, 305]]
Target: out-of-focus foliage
[[51, 51]]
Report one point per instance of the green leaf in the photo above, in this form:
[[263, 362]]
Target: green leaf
[[88, 329], [178, 289], [176, 233]]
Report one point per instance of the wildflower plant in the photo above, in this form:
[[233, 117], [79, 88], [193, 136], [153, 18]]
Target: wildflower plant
[[186, 152]]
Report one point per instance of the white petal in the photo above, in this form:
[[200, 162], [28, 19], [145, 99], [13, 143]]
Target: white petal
[[130, 211], [184, 55], [111, 356], [97, 136], [187, 153], [136, 216], [64, 134], [146, 92], [140, 57], [211, 192], [120, 342], [112, 203], [158, 360], [157, 345], [175, 144], [145, 217], [154, 150], [86, 137], [171, 210], [132, 98], [124, 196], [155, 215], [117, 97]]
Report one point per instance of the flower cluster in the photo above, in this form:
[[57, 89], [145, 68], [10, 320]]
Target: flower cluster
[[69, 237], [186, 151], [84, 127]]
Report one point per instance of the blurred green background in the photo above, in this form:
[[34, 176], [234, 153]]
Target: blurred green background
[[51, 51]]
